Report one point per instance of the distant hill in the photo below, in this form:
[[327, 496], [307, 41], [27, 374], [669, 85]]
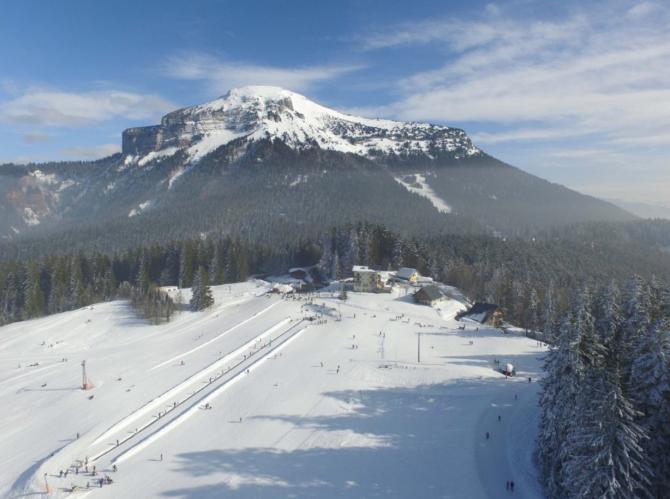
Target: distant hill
[[643, 210]]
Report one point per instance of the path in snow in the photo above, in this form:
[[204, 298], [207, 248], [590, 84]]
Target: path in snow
[[218, 337]]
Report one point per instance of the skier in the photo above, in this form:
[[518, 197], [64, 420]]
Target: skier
[[321, 363], [161, 457], [498, 417], [115, 469], [529, 379], [487, 435], [511, 485]]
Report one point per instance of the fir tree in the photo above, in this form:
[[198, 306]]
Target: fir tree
[[606, 456], [201, 292]]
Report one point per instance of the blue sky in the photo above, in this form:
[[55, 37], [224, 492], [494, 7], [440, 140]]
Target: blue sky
[[576, 92]]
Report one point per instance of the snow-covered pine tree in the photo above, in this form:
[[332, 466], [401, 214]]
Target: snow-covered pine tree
[[650, 390], [591, 350], [606, 457], [636, 324], [549, 314], [560, 387], [609, 321], [201, 292]]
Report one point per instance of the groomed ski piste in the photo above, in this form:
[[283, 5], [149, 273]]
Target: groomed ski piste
[[268, 396]]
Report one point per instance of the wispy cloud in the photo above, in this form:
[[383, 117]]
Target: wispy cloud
[[591, 84], [90, 152], [602, 73], [52, 108], [221, 75], [36, 138]]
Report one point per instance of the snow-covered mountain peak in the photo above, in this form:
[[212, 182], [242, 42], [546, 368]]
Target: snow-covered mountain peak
[[254, 113]]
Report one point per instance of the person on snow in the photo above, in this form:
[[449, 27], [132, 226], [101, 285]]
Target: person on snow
[[487, 435]]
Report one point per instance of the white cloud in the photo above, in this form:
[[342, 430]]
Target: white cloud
[[595, 77], [57, 108], [221, 75], [92, 152]]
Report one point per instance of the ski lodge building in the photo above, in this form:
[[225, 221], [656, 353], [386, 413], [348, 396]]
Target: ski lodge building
[[484, 313], [407, 274], [367, 280], [429, 295]]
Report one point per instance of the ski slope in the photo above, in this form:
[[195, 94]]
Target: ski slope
[[253, 399]]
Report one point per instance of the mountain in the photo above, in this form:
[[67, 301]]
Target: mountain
[[643, 210], [269, 163]]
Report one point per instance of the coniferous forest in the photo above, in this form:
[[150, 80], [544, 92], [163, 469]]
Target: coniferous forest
[[605, 406]]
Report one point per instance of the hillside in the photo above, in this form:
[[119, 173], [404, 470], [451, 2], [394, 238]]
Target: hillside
[[277, 157], [303, 409]]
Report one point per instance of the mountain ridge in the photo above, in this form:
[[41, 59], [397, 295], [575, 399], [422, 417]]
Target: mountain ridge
[[261, 112], [243, 161]]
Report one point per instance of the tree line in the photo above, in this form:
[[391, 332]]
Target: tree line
[[533, 281]]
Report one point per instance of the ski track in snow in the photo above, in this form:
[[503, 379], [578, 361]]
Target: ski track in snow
[[195, 407], [190, 381], [203, 345]]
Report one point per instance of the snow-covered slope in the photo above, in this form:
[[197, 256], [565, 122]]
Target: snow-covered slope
[[337, 407], [261, 112]]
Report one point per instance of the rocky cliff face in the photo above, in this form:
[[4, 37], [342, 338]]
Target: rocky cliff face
[[258, 113]]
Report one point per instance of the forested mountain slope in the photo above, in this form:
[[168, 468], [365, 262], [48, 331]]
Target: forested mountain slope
[[261, 158]]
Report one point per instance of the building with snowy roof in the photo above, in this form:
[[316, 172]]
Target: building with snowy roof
[[429, 295], [367, 280], [407, 274]]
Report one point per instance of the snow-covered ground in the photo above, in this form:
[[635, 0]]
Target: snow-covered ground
[[337, 407]]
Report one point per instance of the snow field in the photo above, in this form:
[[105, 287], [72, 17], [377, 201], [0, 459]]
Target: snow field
[[337, 407]]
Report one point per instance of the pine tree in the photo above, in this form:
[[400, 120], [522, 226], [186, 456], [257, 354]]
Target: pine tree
[[560, 387], [143, 280], [549, 315], [187, 260], [326, 259], [201, 292], [35, 302], [606, 457], [650, 390], [533, 310], [396, 254]]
